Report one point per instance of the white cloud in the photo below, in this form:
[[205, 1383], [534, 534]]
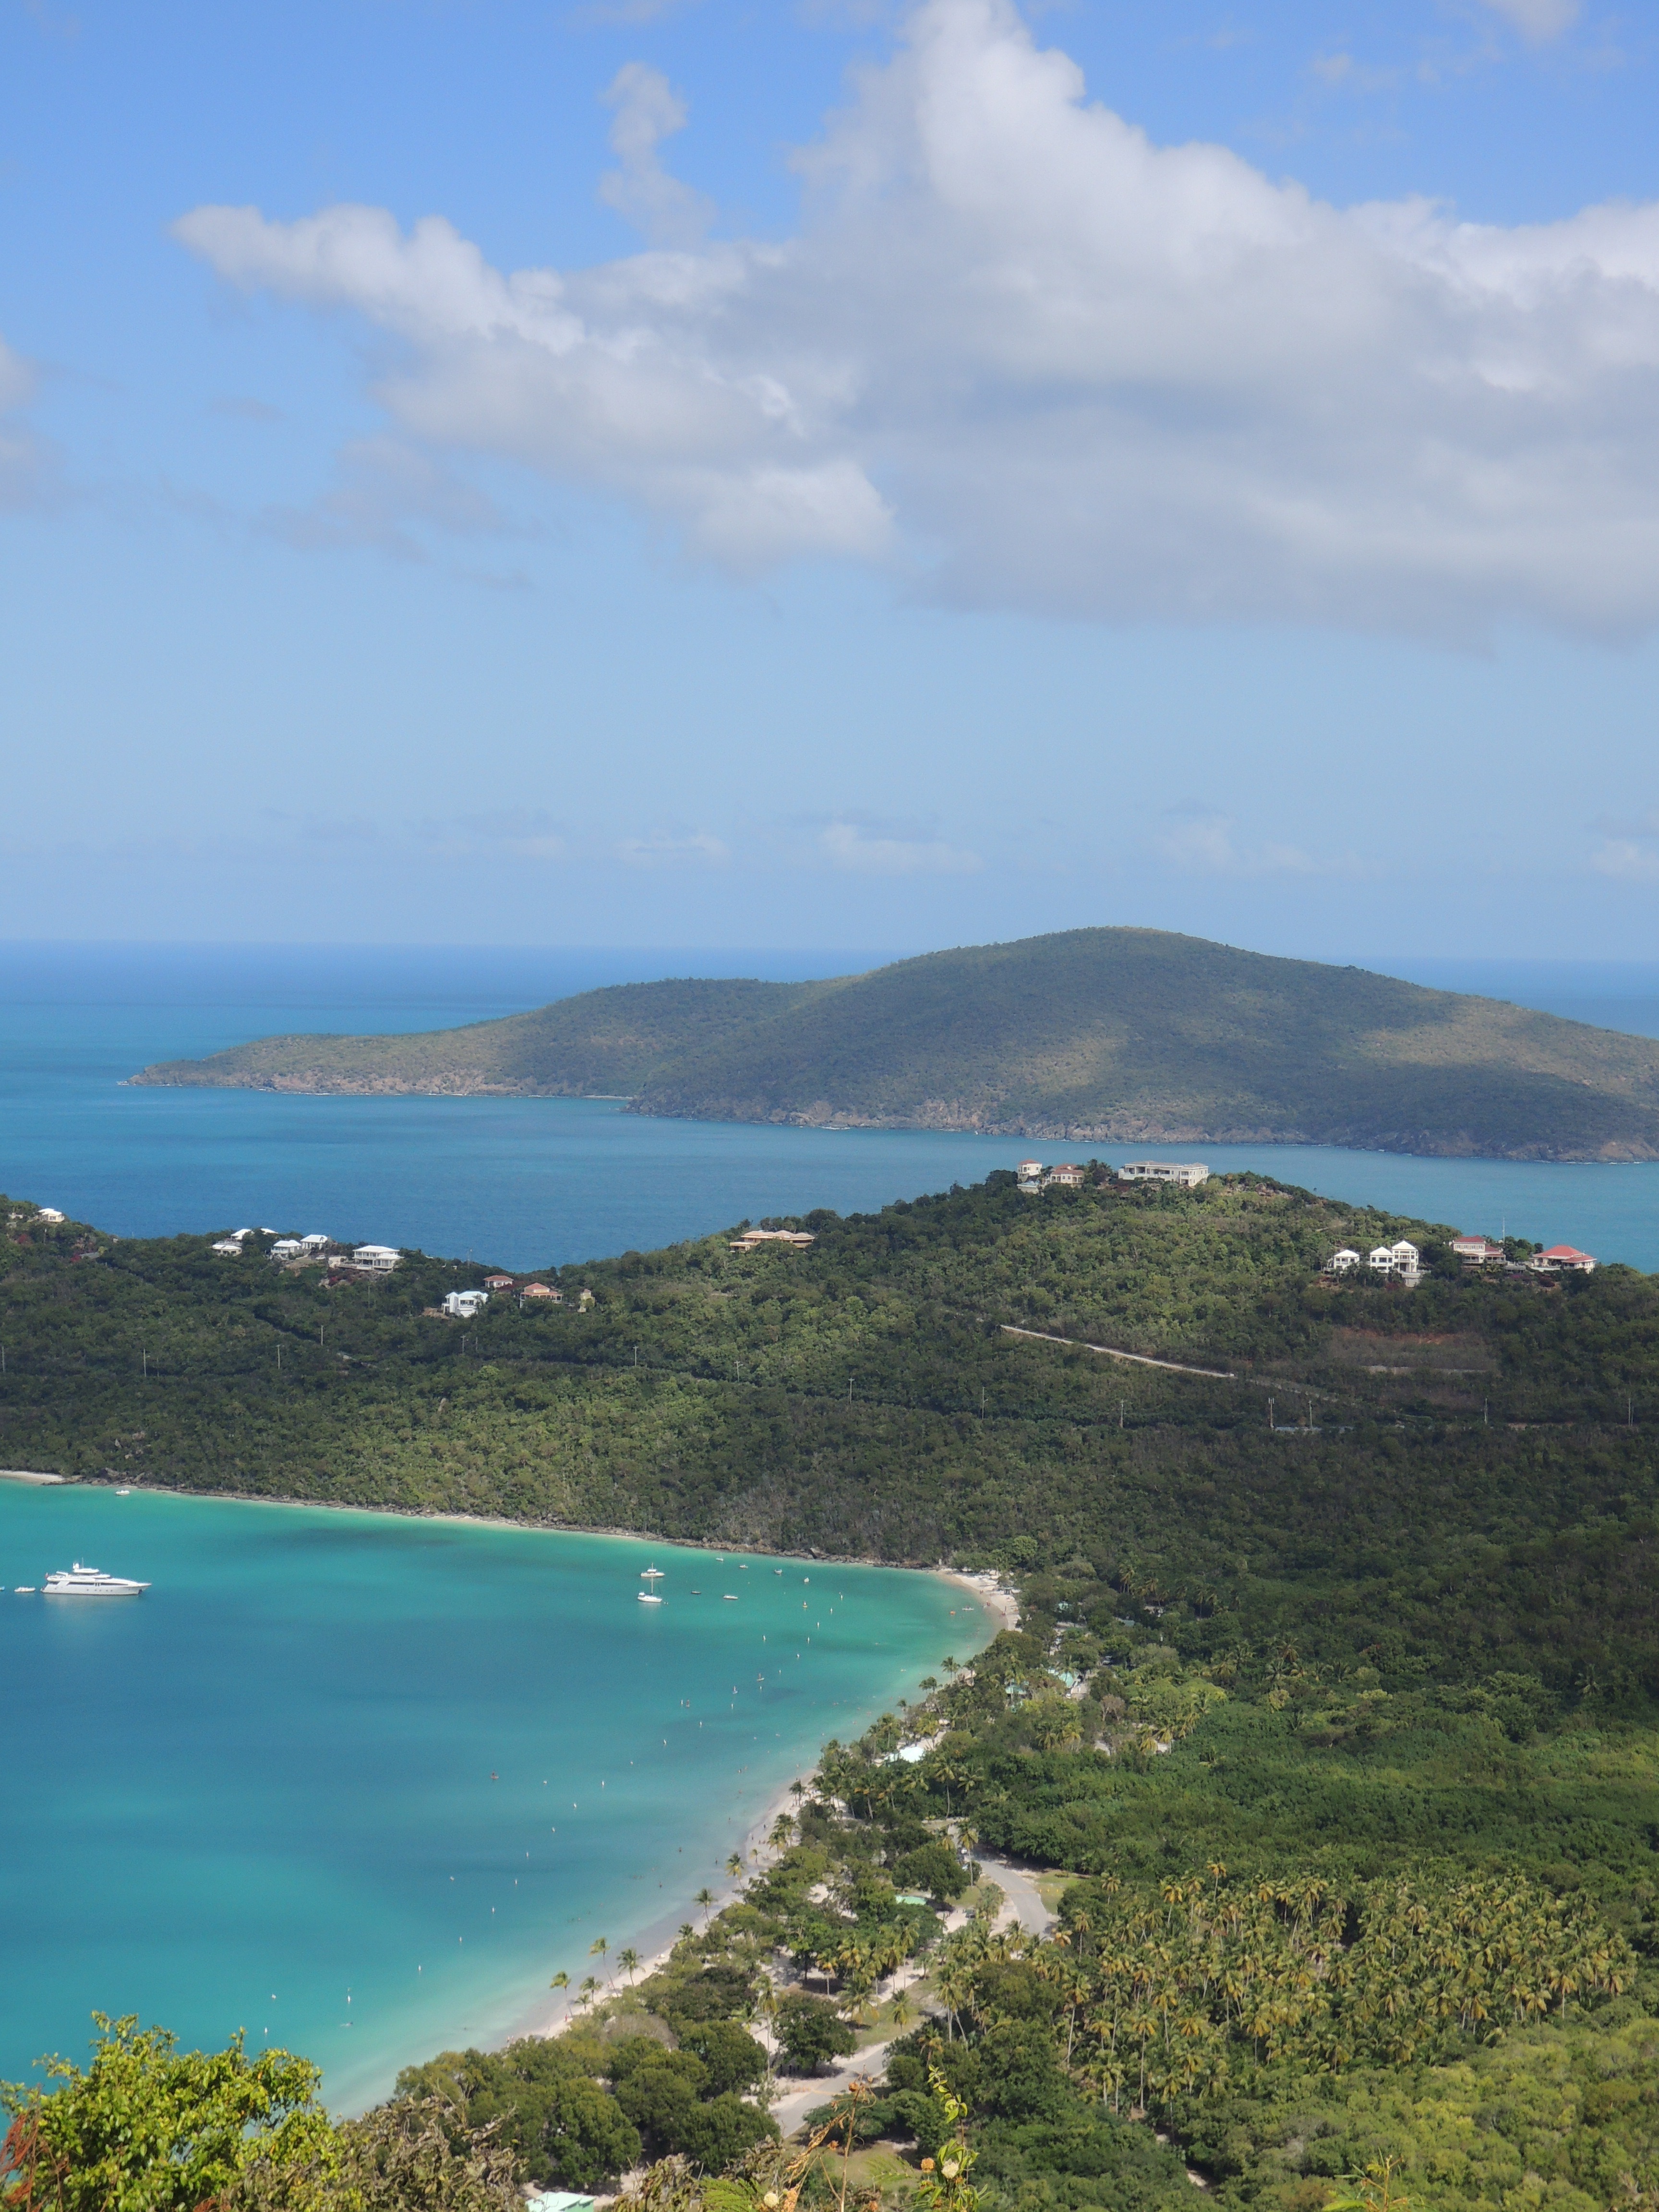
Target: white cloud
[[846, 845], [387, 491], [1049, 365], [26, 464], [674, 852], [1202, 842], [1537, 20], [649, 110], [1623, 857]]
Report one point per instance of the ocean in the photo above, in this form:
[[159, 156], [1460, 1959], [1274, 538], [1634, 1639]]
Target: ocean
[[524, 1182], [360, 1784]]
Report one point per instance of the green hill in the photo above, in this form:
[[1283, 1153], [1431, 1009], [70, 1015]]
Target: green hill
[[1094, 1035], [1336, 1687]]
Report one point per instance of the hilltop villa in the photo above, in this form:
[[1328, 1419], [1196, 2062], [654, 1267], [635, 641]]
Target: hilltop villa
[[1188, 1173]]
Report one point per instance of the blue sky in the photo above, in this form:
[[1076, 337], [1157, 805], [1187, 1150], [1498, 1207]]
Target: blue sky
[[831, 473]]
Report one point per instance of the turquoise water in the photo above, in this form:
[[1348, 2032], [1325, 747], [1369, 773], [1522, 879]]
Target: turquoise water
[[360, 1784], [525, 1182]]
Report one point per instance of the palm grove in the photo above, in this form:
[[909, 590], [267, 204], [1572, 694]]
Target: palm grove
[[1341, 1723]]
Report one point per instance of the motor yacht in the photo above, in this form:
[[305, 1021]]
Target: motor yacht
[[90, 1582]]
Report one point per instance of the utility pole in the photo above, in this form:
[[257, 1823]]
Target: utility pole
[[1271, 1424], [145, 1356], [1485, 1412], [1119, 1412]]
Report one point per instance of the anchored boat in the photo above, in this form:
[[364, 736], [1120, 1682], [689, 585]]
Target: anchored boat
[[90, 1582]]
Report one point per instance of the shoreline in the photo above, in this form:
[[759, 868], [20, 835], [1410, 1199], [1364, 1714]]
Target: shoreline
[[105, 1479], [655, 1942], [553, 2011]]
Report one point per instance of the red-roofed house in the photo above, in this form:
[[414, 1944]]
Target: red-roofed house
[[1563, 1256], [500, 1283], [1476, 1251]]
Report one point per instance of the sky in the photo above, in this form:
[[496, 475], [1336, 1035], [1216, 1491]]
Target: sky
[[677, 471]]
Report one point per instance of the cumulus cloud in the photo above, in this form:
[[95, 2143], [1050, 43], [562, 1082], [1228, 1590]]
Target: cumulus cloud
[[386, 492], [25, 463], [1537, 20], [1623, 857], [851, 846], [1203, 842], [649, 110], [1041, 362], [658, 852]]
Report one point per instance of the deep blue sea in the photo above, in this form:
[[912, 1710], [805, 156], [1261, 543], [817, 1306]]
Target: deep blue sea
[[525, 1182], [361, 1784]]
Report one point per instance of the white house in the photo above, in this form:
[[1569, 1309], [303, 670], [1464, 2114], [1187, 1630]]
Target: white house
[[229, 1247], [316, 1241], [287, 1248], [1029, 1170], [1068, 1175], [376, 1259], [463, 1304], [1401, 1261], [1340, 1262], [49, 1213], [1188, 1173], [1476, 1251]]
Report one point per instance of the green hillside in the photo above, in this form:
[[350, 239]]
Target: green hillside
[[598, 1044], [1333, 1708], [1095, 1036]]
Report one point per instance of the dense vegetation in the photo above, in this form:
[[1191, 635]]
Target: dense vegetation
[[595, 1044], [1340, 1725], [1098, 1035]]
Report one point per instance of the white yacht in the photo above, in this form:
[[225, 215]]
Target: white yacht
[[649, 1597], [90, 1582]]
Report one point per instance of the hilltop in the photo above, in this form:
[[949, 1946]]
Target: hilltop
[[1093, 1036]]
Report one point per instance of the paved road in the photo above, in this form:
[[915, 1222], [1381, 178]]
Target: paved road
[[791, 2110], [1020, 1899]]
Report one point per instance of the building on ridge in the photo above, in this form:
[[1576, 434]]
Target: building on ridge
[[1561, 1258], [1068, 1176], [1187, 1172]]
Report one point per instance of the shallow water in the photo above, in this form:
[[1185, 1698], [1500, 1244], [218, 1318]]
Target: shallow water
[[360, 1784]]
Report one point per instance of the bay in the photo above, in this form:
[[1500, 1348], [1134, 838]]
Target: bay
[[360, 1783]]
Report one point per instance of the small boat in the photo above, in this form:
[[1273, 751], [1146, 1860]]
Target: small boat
[[24, 1590], [650, 1574], [728, 1597], [649, 1597], [123, 1494]]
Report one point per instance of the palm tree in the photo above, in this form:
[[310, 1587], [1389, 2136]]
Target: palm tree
[[686, 1929], [734, 1865], [629, 1960], [560, 1981], [599, 1948], [705, 1897], [588, 1991], [783, 1832]]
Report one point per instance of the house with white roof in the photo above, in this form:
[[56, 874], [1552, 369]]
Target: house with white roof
[[1187, 1172], [1401, 1260], [1342, 1263], [462, 1305], [376, 1259]]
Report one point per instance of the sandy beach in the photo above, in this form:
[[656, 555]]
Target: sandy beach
[[656, 1940]]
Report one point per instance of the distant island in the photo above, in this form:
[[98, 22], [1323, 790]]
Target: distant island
[[1090, 1035]]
